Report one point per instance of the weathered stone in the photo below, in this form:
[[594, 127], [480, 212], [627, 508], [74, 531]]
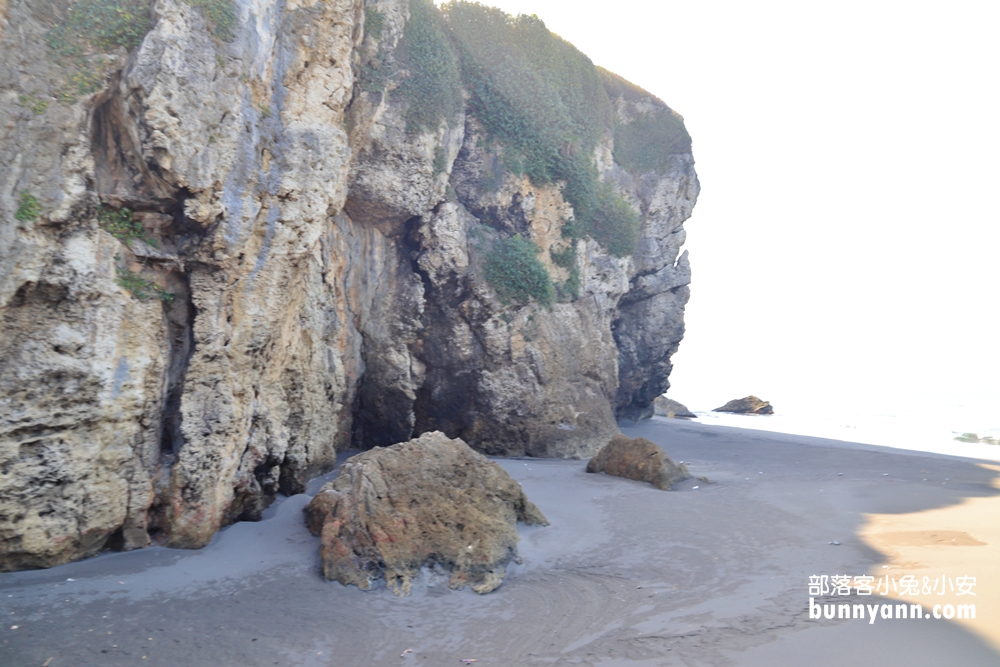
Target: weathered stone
[[751, 405], [430, 501], [638, 459], [666, 407]]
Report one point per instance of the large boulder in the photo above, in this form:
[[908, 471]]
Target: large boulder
[[638, 459], [751, 405], [429, 501], [666, 407]]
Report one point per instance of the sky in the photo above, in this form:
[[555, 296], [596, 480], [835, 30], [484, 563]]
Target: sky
[[846, 243]]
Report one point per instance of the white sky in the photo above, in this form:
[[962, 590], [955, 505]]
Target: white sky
[[847, 238]]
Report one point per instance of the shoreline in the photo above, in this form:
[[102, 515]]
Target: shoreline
[[808, 427], [625, 575]]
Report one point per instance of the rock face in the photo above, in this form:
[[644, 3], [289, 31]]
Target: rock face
[[665, 407], [751, 405], [638, 459], [229, 251], [430, 501]]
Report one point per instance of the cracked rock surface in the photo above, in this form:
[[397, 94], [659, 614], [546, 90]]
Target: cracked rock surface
[[429, 501]]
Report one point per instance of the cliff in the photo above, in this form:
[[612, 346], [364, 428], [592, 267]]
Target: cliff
[[236, 239]]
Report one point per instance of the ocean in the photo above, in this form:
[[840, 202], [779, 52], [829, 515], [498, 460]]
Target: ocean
[[919, 423]]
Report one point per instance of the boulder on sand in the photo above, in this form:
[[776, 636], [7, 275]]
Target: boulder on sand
[[751, 405], [429, 501], [666, 407], [638, 459]]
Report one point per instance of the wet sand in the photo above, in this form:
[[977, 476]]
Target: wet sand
[[625, 575]]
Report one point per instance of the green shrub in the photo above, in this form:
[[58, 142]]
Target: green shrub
[[82, 78], [100, 25], [374, 23], [92, 27], [36, 104], [123, 226], [544, 101], [141, 288], [566, 258], [513, 269], [647, 141], [433, 86], [614, 224], [28, 209], [221, 14], [440, 160]]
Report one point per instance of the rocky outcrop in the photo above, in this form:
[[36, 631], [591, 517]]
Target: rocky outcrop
[[751, 405], [638, 459], [666, 407], [975, 437], [430, 501], [231, 249]]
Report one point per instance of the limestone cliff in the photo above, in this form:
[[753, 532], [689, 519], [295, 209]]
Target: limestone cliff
[[237, 238]]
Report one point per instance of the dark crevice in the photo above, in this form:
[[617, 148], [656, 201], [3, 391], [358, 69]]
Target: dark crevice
[[446, 399], [180, 338], [383, 415], [124, 180]]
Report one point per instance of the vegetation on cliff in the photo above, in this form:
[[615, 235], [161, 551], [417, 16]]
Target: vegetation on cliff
[[28, 208], [423, 70], [123, 226], [433, 87], [91, 28], [513, 269], [543, 101], [651, 135]]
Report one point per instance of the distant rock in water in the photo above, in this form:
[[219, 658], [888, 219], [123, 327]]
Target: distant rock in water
[[432, 500], [666, 407], [975, 437], [751, 405], [638, 459]]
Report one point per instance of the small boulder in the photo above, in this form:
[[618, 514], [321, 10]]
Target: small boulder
[[751, 405], [666, 407], [638, 459], [429, 501]]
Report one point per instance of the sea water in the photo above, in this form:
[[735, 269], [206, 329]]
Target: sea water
[[919, 423]]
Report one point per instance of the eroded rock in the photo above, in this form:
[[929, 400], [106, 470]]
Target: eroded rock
[[312, 269], [666, 407], [430, 501], [751, 405], [638, 459]]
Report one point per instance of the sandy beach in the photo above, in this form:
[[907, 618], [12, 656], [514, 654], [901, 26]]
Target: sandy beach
[[708, 574]]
